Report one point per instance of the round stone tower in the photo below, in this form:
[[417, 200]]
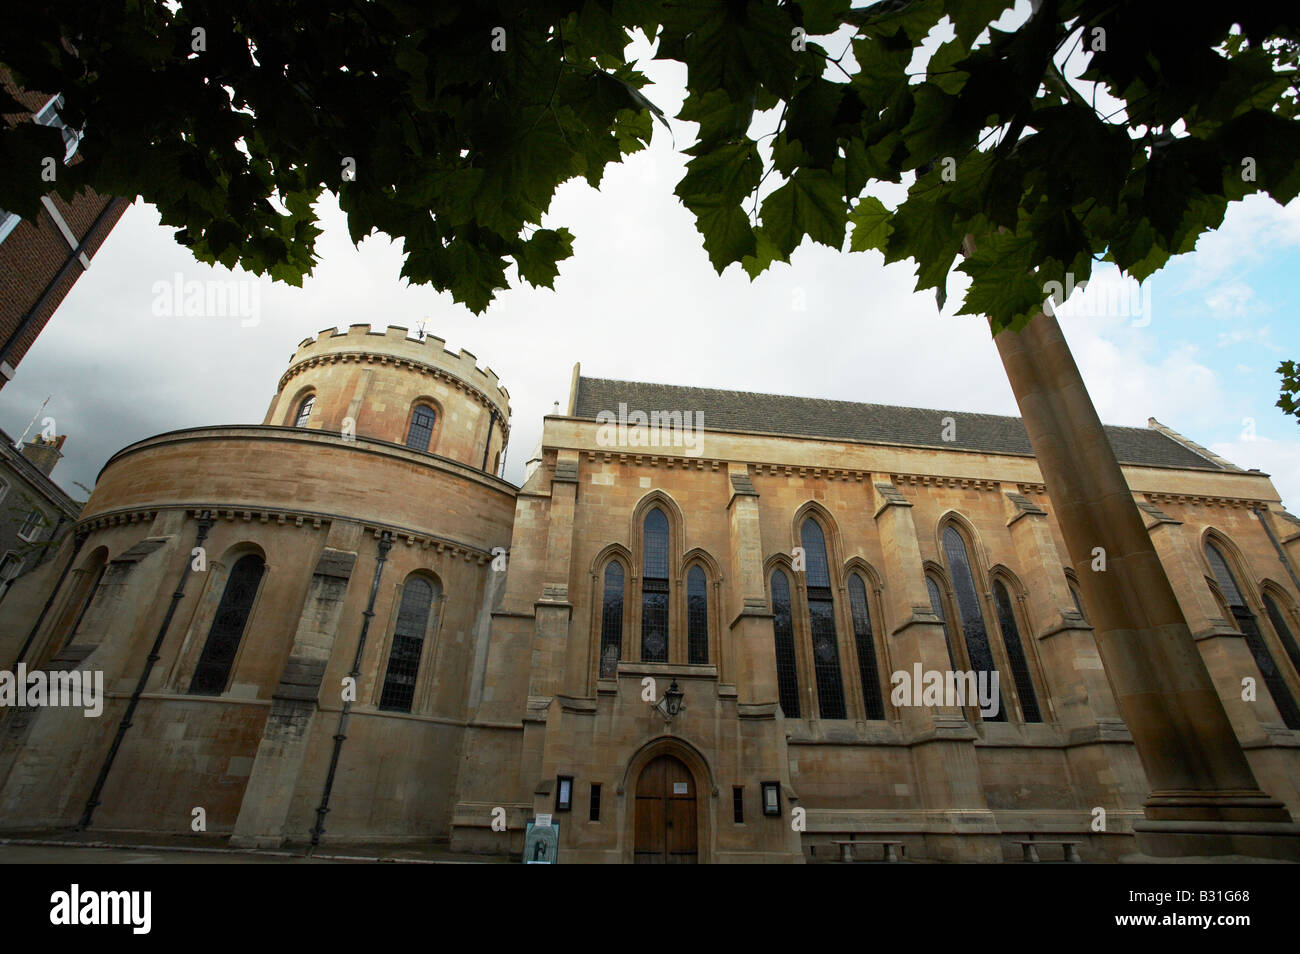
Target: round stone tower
[[386, 386], [238, 585]]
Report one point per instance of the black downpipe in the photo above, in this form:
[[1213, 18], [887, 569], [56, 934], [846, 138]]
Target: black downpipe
[[205, 524], [78, 540], [487, 445], [385, 543]]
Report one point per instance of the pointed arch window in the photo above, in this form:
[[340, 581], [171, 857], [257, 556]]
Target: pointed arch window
[[420, 431], [697, 617], [654, 588], [85, 606], [1016, 653], [868, 671], [1246, 623], [1284, 634], [218, 656], [968, 608], [413, 615], [611, 620], [936, 605], [821, 617], [304, 411], [787, 672]]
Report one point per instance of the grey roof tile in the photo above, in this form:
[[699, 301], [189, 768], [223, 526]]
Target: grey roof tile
[[874, 423]]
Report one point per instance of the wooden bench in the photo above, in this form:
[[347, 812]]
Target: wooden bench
[[846, 848], [1030, 848]]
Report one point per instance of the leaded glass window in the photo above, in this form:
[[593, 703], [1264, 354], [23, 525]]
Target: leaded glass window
[[1016, 653], [654, 588], [936, 604], [611, 621], [408, 645], [1273, 678], [420, 432], [821, 616], [968, 608], [218, 656], [868, 672], [304, 411], [697, 616], [787, 673]]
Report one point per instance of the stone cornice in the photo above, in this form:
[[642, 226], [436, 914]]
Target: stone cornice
[[1205, 500]]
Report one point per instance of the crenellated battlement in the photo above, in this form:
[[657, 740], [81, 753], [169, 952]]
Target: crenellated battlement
[[395, 343]]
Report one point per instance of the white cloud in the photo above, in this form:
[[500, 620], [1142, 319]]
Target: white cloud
[[1233, 300]]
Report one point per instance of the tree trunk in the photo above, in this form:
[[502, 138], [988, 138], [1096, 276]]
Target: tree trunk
[[1204, 797]]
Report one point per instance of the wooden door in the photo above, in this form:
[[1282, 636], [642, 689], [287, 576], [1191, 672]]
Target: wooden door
[[666, 822]]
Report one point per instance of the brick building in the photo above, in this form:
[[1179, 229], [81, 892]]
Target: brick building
[[686, 636], [41, 260]]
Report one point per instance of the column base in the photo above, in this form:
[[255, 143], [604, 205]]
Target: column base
[[1175, 839]]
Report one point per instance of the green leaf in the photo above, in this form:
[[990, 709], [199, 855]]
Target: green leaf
[[810, 205], [871, 225], [538, 259]]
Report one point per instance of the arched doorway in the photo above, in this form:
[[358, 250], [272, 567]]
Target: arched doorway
[[667, 826]]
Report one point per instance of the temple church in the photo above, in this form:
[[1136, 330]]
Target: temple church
[[683, 638]]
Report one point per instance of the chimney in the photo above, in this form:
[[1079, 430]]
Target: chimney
[[44, 454]]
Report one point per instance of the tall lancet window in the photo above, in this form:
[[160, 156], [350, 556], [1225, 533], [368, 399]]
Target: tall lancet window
[[936, 604], [654, 588], [968, 608], [787, 671], [611, 621], [697, 617], [821, 615], [1016, 653], [1280, 627], [218, 657], [1273, 678], [868, 671], [413, 615]]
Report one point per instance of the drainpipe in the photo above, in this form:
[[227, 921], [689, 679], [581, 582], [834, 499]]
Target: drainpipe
[[78, 539], [385, 543], [205, 524], [1281, 554], [487, 445]]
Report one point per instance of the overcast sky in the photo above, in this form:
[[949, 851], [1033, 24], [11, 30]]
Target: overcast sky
[[639, 301]]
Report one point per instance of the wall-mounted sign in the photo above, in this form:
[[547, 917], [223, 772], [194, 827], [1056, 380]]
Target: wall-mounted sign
[[681, 788], [541, 842]]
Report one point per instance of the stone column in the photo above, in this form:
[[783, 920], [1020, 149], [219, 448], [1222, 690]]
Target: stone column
[[294, 704], [1224, 649], [558, 662], [752, 651], [941, 739], [1204, 797], [1099, 746]]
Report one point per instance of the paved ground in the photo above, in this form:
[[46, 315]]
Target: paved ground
[[92, 848]]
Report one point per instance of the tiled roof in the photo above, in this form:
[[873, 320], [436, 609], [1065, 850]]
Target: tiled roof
[[875, 423]]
